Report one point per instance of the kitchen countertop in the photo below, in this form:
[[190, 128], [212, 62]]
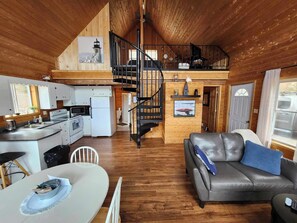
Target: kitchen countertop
[[28, 134]]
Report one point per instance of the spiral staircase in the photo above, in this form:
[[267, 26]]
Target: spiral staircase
[[140, 74]]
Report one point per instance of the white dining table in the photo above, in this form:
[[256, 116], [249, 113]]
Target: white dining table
[[89, 182]]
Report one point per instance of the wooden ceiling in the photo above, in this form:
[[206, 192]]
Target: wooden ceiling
[[251, 32], [35, 32]]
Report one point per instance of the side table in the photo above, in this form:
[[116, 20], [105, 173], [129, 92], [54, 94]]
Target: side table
[[280, 212]]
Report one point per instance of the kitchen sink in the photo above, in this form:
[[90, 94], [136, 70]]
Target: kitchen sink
[[38, 125]]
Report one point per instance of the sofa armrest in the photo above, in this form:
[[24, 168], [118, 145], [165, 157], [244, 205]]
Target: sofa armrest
[[200, 166], [289, 170]]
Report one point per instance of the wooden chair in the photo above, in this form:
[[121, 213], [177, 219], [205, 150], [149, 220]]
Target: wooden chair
[[111, 214], [85, 154], [10, 157]]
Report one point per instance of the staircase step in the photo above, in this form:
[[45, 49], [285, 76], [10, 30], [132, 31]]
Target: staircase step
[[144, 98], [148, 125], [134, 137], [132, 89], [149, 114], [125, 66], [125, 73], [143, 131], [149, 106], [124, 81], [156, 120]]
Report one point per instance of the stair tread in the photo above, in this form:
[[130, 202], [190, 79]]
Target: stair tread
[[124, 80], [124, 66], [144, 98], [149, 106], [129, 89], [125, 73], [150, 114], [149, 125], [151, 120]]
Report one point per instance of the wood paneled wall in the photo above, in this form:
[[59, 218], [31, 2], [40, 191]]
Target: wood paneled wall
[[176, 129], [34, 33], [151, 36], [99, 26]]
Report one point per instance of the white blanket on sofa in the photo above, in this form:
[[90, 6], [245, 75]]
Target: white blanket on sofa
[[248, 134]]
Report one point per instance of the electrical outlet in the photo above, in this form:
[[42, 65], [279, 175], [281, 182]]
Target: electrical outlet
[[44, 112], [256, 111]]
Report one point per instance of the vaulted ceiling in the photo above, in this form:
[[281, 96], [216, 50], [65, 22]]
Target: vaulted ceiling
[[34, 32], [248, 30]]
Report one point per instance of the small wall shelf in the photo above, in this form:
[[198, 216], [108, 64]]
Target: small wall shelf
[[185, 96]]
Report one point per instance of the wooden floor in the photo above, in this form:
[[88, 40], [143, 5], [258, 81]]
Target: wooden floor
[[155, 186]]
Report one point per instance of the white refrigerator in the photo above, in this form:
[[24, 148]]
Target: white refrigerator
[[102, 116]]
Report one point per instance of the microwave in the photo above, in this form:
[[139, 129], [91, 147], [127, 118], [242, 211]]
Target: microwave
[[79, 110]]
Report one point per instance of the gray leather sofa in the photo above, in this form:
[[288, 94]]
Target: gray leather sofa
[[233, 181]]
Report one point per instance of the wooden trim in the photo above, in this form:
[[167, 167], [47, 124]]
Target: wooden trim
[[196, 75], [287, 150], [79, 75]]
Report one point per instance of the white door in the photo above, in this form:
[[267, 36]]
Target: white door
[[125, 107], [240, 106]]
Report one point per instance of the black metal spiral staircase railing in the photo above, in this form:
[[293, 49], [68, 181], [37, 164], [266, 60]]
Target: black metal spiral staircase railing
[[139, 73]]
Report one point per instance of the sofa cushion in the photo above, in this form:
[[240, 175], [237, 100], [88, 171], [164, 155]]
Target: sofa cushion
[[229, 178], [234, 146], [210, 166], [211, 144], [262, 180], [262, 158]]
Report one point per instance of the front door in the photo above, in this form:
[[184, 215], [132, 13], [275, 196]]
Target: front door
[[240, 106]]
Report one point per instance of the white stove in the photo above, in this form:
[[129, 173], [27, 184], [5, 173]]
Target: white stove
[[75, 124]]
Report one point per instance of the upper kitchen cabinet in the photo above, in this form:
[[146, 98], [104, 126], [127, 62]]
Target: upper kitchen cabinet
[[82, 95], [62, 91], [101, 91], [6, 107], [47, 97]]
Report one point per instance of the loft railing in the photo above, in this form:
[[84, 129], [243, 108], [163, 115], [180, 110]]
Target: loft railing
[[200, 57]]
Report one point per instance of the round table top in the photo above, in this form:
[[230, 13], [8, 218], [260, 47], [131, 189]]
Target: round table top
[[283, 211], [89, 182]]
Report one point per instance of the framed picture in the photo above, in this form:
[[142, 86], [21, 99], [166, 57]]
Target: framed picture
[[184, 108], [206, 99], [90, 49]]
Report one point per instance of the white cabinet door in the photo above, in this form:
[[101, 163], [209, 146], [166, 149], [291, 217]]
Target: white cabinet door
[[102, 91], [87, 125], [47, 97], [6, 107], [62, 92], [71, 100], [82, 95], [64, 127]]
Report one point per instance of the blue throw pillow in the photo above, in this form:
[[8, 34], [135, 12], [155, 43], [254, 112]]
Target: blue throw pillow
[[210, 166], [262, 158]]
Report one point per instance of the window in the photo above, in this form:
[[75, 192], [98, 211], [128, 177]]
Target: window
[[285, 125], [22, 99], [152, 53], [241, 92]]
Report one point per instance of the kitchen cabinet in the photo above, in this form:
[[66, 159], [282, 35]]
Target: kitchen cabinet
[[87, 125], [6, 107], [82, 95], [62, 92], [102, 91], [71, 100], [47, 97], [64, 127], [33, 160]]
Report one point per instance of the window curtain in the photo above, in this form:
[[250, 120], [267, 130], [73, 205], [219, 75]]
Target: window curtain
[[267, 106]]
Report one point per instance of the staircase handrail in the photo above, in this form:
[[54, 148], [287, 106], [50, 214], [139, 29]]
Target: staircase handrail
[[146, 55]]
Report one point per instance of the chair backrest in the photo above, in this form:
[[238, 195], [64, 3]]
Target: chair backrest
[[85, 154], [114, 208]]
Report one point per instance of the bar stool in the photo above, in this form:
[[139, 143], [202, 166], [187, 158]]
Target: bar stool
[[10, 157]]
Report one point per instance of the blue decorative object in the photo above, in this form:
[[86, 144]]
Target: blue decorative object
[[262, 158], [210, 166]]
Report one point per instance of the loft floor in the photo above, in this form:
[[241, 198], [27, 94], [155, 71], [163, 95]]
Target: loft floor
[[157, 189]]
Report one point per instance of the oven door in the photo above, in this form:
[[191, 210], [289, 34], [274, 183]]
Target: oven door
[[76, 125]]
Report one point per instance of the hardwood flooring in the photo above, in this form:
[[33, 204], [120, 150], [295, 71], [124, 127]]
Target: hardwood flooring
[[155, 186]]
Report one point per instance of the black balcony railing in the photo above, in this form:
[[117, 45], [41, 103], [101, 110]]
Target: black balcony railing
[[199, 57]]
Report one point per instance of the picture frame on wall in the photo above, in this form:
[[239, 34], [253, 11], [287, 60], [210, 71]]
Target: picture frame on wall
[[90, 49], [184, 108], [205, 101]]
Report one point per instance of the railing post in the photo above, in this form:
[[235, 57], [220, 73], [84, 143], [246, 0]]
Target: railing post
[[138, 70]]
